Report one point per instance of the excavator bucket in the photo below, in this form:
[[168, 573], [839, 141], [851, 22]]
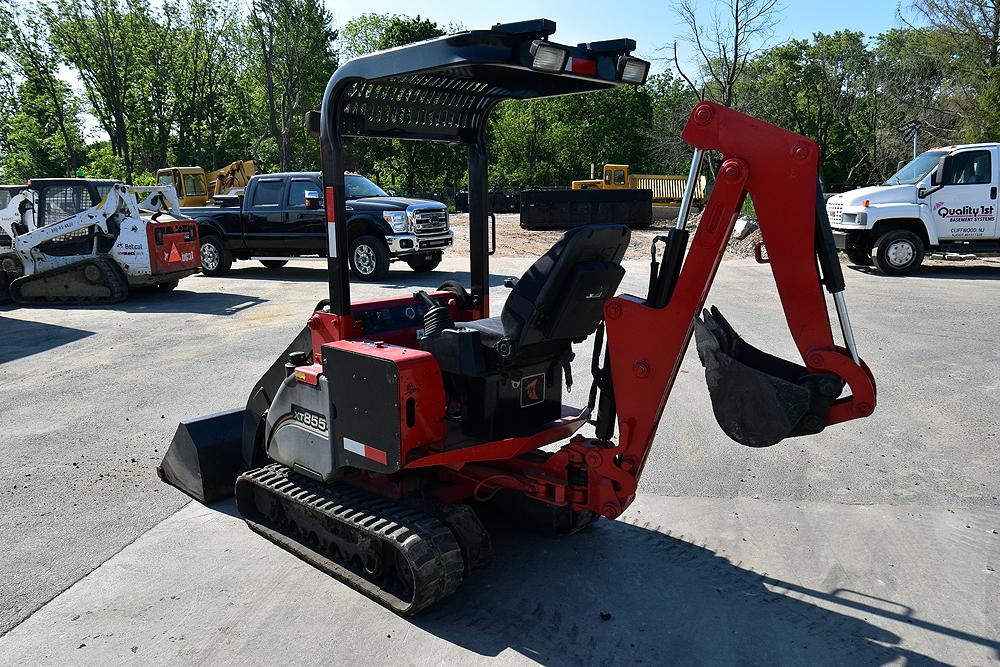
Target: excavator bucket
[[759, 399], [205, 457]]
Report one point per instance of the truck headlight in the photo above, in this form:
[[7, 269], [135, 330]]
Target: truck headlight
[[396, 219]]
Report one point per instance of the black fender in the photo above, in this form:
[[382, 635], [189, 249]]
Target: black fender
[[363, 223], [209, 227]]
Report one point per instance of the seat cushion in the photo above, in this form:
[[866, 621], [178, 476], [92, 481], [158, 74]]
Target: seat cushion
[[503, 353]]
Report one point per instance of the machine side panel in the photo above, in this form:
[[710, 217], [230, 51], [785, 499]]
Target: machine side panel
[[386, 400]]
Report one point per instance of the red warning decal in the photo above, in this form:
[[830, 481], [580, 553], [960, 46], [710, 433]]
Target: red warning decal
[[375, 454], [174, 256], [367, 451]]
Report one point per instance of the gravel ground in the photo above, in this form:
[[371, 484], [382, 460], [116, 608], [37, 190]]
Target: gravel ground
[[513, 241]]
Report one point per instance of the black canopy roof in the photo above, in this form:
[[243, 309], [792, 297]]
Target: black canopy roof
[[443, 89]]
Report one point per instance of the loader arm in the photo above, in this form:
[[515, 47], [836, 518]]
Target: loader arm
[[778, 169]]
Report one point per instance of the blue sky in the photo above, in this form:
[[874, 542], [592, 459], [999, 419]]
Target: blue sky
[[652, 24]]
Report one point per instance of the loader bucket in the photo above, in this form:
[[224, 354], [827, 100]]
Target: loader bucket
[[759, 399], [205, 457]]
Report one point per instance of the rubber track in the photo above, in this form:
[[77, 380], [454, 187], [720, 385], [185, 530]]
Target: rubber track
[[114, 281], [427, 544]]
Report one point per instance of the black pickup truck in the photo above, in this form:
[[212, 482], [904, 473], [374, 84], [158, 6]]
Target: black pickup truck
[[282, 215]]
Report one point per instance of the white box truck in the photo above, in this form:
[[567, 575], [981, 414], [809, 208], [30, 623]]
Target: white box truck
[[943, 201]]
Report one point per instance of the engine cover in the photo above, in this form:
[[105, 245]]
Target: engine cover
[[388, 401], [299, 428]]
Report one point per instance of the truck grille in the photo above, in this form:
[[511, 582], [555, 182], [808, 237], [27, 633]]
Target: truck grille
[[430, 222], [833, 211], [5, 241]]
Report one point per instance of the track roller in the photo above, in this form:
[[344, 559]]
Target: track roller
[[401, 557], [96, 280]]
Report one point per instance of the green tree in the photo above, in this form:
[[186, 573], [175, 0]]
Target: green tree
[[294, 51], [555, 141], [966, 46], [32, 144], [403, 164], [25, 38], [102, 41]]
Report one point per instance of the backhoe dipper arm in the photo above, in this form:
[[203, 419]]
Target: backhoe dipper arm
[[647, 344]]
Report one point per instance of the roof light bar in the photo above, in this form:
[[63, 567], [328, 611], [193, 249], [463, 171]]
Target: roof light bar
[[548, 57], [633, 70]]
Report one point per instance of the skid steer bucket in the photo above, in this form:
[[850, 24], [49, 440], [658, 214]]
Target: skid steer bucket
[[759, 399], [204, 456]]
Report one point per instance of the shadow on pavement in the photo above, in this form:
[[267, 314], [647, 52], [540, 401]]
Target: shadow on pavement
[[620, 593], [938, 271], [151, 300], [182, 301], [20, 338], [623, 593]]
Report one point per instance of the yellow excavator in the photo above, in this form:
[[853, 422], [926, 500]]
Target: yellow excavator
[[195, 186]]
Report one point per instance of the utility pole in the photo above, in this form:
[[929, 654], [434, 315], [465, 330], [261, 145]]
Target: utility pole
[[909, 133]]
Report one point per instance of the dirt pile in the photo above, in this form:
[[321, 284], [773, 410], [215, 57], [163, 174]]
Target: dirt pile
[[513, 241]]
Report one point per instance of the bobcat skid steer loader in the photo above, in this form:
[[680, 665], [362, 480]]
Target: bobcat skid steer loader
[[78, 241]]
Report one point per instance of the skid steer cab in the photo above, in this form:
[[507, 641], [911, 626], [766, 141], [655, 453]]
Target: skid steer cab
[[368, 445]]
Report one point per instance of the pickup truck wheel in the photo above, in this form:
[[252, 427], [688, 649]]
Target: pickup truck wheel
[[215, 259], [274, 263], [369, 258], [898, 252], [423, 263], [859, 256]]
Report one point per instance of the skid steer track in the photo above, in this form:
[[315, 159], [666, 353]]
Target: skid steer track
[[400, 557], [95, 280]]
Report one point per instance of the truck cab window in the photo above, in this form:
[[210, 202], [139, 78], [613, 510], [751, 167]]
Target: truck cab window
[[619, 177], [607, 177], [297, 192], [969, 168], [359, 187], [267, 193], [193, 185]]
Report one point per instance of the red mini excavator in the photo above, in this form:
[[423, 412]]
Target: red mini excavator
[[368, 443]]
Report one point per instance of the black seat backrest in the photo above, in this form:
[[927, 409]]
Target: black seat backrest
[[562, 295]]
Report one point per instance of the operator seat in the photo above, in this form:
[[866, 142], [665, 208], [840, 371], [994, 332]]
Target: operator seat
[[560, 299], [506, 372]]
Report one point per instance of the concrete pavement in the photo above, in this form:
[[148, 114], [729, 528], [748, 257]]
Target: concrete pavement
[[674, 581], [90, 397]]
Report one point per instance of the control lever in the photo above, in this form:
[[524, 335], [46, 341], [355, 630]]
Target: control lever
[[663, 274], [437, 318]]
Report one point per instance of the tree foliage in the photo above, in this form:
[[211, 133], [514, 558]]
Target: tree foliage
[[172, 82]]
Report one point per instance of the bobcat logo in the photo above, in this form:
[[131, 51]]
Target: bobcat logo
[[532, 390]]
